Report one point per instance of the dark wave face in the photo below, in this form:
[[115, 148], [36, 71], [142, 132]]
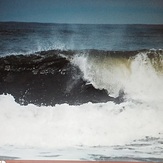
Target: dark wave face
[[47, 79], [53, 77]]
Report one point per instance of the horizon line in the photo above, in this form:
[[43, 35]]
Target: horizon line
[[35, 22]]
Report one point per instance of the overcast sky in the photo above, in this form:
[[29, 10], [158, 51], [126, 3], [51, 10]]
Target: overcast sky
[[83, 11]]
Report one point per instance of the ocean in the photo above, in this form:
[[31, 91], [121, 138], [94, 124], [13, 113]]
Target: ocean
[[81, 92]]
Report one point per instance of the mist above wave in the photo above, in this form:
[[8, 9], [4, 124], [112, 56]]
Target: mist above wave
[[27, 38]]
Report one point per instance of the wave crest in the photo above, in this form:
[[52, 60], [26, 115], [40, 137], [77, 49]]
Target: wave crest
[[134, 72]]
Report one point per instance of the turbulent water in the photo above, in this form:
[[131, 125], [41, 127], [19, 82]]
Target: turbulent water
[[86, 92]]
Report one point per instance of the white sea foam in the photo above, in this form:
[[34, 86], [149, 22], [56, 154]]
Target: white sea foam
[[89, 124]]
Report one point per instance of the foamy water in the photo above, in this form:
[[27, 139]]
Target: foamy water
[[89, 125]]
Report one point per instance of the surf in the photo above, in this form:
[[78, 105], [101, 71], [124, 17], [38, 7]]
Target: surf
[[94, 92], [57, 126]]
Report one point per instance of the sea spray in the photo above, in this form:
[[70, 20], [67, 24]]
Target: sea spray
[[138, 74]]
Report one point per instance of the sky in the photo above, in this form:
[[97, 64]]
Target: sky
[[83, 11]]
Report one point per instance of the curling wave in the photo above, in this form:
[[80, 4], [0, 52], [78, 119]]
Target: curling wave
[[76, 77]]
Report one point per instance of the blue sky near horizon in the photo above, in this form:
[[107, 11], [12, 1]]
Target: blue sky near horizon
[[83, 11]]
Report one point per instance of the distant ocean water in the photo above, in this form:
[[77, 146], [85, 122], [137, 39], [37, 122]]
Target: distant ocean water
[[17, 38], [87, 92]]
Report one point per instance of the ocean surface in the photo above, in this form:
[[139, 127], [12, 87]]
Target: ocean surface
[[81, 92]]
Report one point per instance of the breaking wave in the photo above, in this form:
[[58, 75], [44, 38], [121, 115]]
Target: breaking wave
[[76, 77], [88, 98]]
